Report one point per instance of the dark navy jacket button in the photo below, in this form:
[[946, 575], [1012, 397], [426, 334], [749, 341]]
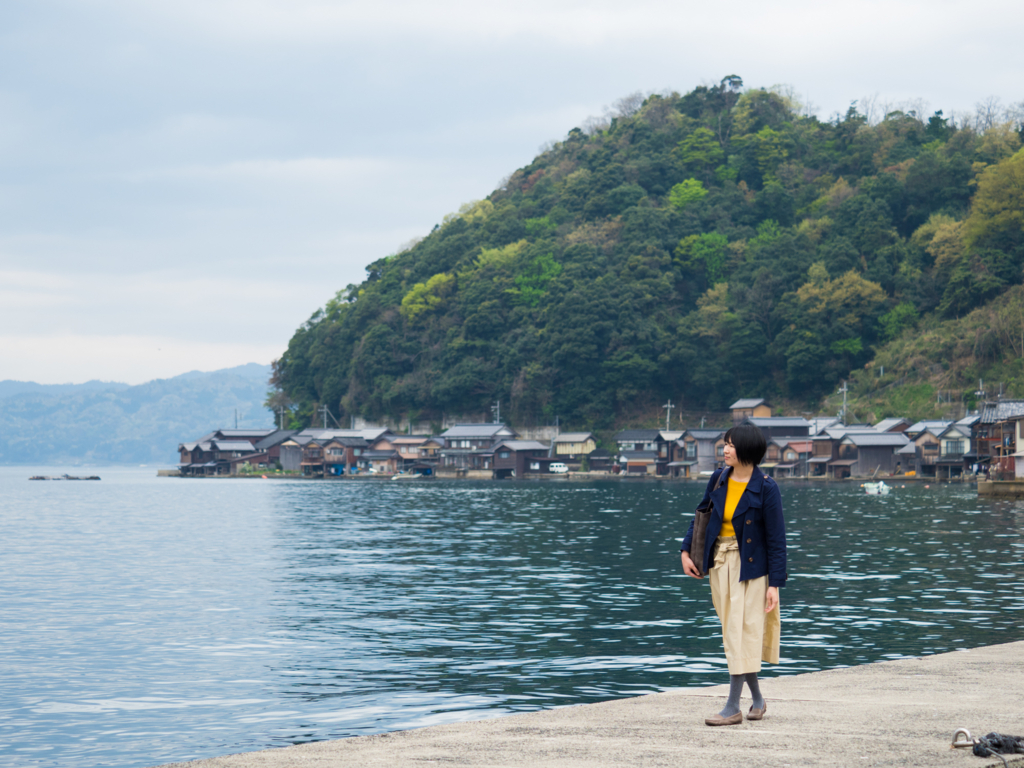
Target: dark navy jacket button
[[749, 522], [749, 540], [750, 559]]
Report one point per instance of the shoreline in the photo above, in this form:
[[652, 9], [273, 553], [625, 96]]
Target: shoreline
[[893, 713], [568, 477]]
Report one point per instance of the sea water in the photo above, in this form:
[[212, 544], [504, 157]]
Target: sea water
[[146, 620]]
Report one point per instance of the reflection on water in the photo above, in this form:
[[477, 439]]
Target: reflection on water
[[148, 620]]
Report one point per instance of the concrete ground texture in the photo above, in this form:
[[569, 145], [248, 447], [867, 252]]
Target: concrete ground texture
[[894, 713]]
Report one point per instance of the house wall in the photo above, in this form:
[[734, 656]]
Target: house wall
[[291, 457], [882, 457], [575, 449]]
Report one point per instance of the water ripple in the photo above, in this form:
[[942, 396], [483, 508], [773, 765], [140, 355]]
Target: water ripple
[[148, 620]]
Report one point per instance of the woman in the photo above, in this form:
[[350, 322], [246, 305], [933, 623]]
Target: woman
[[745, 558]]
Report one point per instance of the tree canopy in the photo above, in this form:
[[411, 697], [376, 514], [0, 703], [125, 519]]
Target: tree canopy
[[700, 247]]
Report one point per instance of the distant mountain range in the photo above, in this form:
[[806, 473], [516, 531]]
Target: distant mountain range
[[101, 422]]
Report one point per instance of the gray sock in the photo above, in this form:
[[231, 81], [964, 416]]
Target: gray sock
[[755, 689], [732, 706]]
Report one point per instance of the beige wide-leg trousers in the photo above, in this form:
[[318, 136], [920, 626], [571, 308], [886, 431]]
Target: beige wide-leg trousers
[[749, 634]]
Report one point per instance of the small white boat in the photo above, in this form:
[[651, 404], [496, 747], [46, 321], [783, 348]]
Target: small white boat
[[877, 489], [417, 476]]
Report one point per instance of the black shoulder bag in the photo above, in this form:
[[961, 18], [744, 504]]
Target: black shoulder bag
[[700, 526]]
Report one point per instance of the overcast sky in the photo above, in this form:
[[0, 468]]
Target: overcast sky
[[185, 181]]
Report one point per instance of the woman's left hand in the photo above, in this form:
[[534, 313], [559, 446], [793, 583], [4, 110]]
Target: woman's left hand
[[771, 599]]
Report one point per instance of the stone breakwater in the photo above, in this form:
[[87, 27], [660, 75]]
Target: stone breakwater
[[893, 713]]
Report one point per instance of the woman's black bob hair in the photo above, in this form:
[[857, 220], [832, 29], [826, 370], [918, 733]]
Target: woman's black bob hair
[[749, 443]]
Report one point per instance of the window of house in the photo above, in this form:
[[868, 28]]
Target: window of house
[[504, 454], [357, 451], [790, 456], [954, 446], [720, 451], [691, 450]]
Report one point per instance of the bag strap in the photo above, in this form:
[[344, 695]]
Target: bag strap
[[721, 477]]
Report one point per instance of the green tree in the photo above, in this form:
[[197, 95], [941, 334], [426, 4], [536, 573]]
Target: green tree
[[701, 153], [686, 192]]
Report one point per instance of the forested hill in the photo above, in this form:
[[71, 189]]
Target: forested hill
[[699, 247]]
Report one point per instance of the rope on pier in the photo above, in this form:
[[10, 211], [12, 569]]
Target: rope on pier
[[998, 744], [990, 745]]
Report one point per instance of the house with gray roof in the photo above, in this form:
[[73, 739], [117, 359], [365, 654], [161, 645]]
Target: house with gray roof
[[660, 441], [892, 425], [749, 407], [517, 458], [868, 453], [471, 446], [702, 451], [781, 426]]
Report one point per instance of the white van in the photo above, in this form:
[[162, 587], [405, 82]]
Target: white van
[[558, 468]]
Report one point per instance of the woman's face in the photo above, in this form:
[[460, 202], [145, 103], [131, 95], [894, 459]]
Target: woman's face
[[730, 455]]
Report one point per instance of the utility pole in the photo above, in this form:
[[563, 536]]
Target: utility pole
[[325, 412], [236, 418], [281, 411], [844, 390], [496, 410], [668, 413]]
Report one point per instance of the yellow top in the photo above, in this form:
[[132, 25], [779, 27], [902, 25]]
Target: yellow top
[[732, 498]]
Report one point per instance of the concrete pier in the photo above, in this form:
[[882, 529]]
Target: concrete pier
[[1006, 489], [895, 713]]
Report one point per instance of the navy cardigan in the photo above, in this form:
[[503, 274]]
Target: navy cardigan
[[760, 529]]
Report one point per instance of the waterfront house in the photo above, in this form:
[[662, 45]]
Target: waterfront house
[[469, 447], [954, 443], [864, 453], [345, 455], [516, 458], [699, 447], [750, 407], [417, 450], [925, 436], [639, 462], [637, 439], [380, 462], [825, 459], [208, 457], [787, 457], [601, 460], [995, 434]]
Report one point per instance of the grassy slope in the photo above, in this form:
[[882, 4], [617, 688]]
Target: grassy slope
[[933, 370]]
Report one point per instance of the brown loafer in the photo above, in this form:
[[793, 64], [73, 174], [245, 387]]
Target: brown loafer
[[757, 714], [719, 720]]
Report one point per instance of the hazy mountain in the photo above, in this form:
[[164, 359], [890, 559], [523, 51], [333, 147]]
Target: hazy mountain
[[112, 423]]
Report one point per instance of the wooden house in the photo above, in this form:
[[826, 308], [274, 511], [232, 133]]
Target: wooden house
[[864, 453], [471, 446], [749, 407], [417, 449], [344, 456], [699, 446], [517, 458]]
